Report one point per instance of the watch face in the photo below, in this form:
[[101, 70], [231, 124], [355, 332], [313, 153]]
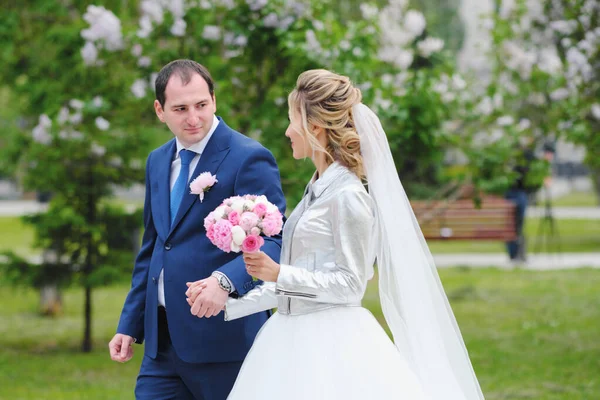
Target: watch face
[[224, 284]]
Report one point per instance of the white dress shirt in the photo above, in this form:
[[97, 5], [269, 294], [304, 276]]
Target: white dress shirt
[[197, 148]]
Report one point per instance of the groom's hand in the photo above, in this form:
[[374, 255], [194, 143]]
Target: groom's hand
[[120, 347], [210, 299]]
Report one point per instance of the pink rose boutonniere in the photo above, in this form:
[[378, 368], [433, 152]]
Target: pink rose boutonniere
[[202, 184]]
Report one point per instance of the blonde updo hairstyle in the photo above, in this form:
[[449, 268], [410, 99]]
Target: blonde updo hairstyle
[[324, 100]]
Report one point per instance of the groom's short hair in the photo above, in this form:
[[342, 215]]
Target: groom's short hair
[[185, 69]]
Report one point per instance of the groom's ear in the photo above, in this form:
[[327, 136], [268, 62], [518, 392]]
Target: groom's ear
[[214, 98], [159, 111]]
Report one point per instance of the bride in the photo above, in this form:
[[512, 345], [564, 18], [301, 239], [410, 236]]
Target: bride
[[321, 344]]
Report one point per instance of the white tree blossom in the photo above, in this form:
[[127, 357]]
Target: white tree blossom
[[145, 27], [414, 23], [177, 8], [153, 77], [76, 104], [138, 88], [178, 28], [89, 53], [537, 99], [144, 62], [559, 94], [271, 20], [97, 101], [97, 150], [136, 50], [152, 9], [229, 54], [358, 52], [211, 32], [595, 111], [429, 46], [115, 161], [550, 61], [312, 43], [524, 124], [256, 5], [70, 134], [102, 124], [76, 119], [369, 11], [240, 41], [485, 106], [286, 22], [63, 115], [104, 30], [505, 120], [564, 27], [518, 59], [40, 132]]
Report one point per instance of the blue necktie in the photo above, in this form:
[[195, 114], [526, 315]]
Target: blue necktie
[[180, 187]]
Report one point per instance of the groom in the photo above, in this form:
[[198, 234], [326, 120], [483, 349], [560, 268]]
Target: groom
[[188, 356]]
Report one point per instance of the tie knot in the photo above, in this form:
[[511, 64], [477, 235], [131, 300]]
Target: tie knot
[[186, 156]]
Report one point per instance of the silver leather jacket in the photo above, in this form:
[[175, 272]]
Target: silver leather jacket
[[327, 253]]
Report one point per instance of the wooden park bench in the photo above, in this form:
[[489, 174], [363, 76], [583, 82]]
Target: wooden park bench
[[459, 219]]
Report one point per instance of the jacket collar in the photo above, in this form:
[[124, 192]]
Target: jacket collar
[[331, 174]]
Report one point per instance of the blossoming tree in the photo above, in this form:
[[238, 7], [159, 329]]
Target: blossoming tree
[[543, 84], [87, 81]]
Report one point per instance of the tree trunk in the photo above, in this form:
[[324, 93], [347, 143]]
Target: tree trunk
[[87, 333], [50, 297], [50, 300]]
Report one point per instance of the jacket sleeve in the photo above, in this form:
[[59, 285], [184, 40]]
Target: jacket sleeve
[[258, 175], [132, 317], [261, 298], [352, 220]]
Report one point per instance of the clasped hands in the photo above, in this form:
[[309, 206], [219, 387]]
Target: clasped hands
[[207, 299]]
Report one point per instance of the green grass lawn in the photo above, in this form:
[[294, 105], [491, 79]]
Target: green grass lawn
[[577, 199], [531, 335], [574, 236], [15, 235]]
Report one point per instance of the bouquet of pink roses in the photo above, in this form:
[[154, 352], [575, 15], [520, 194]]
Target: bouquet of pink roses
[[239, 222]]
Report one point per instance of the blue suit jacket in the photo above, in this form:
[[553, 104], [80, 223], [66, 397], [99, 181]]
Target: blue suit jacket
[[242, 166]]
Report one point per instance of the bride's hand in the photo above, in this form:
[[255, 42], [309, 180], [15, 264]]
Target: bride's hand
[[194, 289], [261, 266]]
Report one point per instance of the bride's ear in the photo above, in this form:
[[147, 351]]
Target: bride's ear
[[317, 130]]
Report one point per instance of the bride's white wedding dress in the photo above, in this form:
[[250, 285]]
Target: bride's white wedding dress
[[321, 344]]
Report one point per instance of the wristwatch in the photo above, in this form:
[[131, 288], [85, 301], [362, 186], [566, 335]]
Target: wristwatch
[[224, 282]]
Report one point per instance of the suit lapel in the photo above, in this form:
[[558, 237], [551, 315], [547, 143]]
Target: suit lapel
[[210, 160], [164, 186]]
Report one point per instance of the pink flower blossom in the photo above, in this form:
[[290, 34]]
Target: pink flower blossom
[[248, 221], [252, 243], [222, 235], [255, 231], [234, 218], [260, 209], [210, 233], [272, 223], [202, 184], [209, 220]]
